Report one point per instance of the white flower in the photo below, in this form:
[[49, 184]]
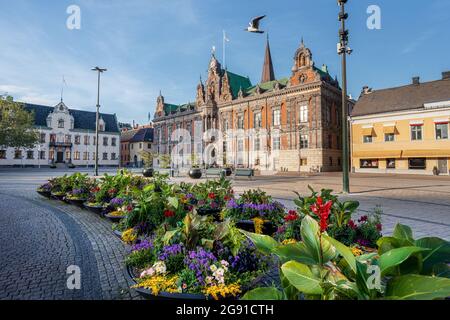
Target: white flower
[[220, 271], [213, 268], [160, 267]]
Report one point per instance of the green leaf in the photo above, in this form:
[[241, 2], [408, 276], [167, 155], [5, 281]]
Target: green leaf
[[386, 244], [395, 257], [439, 252], [173, 201], [416, 287], [269, 293], [295, 252], [301, 277], [265, 244], [403, 232], [310, 232], [344, 251]]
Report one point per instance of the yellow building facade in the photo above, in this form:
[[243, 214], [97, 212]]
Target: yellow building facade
[[410, 141]]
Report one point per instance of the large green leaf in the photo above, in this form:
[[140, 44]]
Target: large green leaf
[[295, 252], [403, 232], [319, 249], [264, 243], [395, 257], [344, 251], [301, 277], [416, 287], [173, 201], [269, 293], [386, 244], [439, 252]]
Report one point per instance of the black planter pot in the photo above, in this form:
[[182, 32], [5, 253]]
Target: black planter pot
[[228, 171], [46, 194], [114, 218], [77, 202], [147, 294], [195, 173], [148, 173], [249, 225], [94, 209], [118, 234], [60, 197], [210, 212]]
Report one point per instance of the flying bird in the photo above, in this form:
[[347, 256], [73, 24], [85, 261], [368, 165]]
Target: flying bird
[[254, 25]]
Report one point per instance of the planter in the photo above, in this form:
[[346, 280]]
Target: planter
[[46, 194], [76, 202], [147, 294], [249, 225], [58, 196], [210, 212], [118, 234], [95, 209], [148, 173], [195, 173], [115, 219]]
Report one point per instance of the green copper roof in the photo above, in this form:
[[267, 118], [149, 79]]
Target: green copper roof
[[237, 82], [169, 108], [267, 86]]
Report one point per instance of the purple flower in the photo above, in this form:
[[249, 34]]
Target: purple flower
[[117, 202], [172, 250], [77, 191], [143, 245], [200, 261]]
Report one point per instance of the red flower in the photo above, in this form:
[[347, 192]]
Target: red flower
[[227, 198], [112, 191], [211, 196], [130, 208], [169, 214], [322, 211], [352, 224], [379, 227], [95, 190], [291, 216], [363, 219]]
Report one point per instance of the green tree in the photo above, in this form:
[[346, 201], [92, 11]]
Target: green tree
[[16, 125]]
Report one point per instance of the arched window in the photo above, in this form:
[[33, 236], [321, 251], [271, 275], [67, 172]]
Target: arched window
[[60, 123]]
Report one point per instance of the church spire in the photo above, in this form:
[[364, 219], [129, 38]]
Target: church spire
[[268, 73]]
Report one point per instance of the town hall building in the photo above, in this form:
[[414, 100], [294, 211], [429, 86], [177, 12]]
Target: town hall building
[[280, 124]]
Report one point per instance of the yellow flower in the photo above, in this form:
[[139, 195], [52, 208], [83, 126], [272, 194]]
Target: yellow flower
[[129, 236], [259, 223], [222, 290], [289, 241], [356, 251], [159, 284], [116, 214]]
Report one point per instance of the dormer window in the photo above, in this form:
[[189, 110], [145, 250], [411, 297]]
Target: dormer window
[[61, 123]]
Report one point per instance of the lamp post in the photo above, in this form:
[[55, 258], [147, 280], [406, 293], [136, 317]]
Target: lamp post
[[343, 50], [97, 117]]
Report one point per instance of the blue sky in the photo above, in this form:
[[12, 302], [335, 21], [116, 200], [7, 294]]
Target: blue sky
[[152, 45]]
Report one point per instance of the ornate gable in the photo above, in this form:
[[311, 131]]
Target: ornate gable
[[303, 68], [200, 99], [226, 94], [159, 106]]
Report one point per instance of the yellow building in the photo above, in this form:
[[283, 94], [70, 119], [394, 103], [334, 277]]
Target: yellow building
[[403, 129]]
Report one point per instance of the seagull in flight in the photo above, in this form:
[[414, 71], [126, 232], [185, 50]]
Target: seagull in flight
[[254, 25]]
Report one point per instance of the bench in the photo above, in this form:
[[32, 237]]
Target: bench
[[215, 172], [249, 173]]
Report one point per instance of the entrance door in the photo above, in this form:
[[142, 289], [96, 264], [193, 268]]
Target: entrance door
[[59, 157], [442, 164]]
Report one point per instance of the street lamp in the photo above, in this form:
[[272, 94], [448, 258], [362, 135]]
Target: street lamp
[[99, 71], [343, 50]]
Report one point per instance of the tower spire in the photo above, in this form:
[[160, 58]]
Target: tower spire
[[268, 74]]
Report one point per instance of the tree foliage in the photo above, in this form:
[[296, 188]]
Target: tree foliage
[[16, 125]]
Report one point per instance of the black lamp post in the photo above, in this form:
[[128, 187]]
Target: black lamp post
[[343, 50], [99, 71]]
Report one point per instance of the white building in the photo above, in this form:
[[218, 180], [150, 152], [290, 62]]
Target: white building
[[67, 136]]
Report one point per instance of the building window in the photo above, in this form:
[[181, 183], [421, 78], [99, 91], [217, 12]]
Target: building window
[[76, 155], [68, 138], [86, 140], [366, 163], [18, 154], [390, 163], [2, 154], [113, 156], [140, 145], [304, 114], [67, 155], [276, 143], [240, 122], [101, 127], [276, 117], [416, 132], [51, 154], [389, 137], [441, 131], [367, 139], [303, 162], [42, 155], [330, 141], [417, 163], [42, 138], [113, 141], [304, 142], [77, 139], [93, 156], [257, 144], [331, 161], [149, 146], [257, 120], [240, 145], [53, 138], [85, 155], [105, 156], [61, 123], [105, 141], [132, 146]]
